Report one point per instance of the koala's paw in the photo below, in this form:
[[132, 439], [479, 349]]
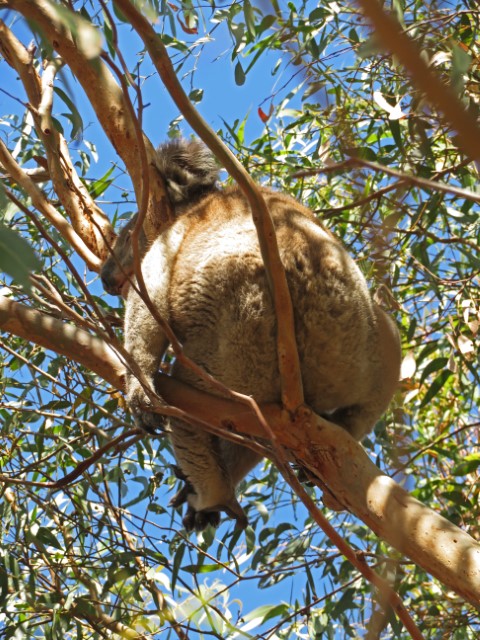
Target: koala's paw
[[139, 402], [199, 520], [235, 511]]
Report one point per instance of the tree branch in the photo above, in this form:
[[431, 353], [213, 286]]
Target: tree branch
[[341, 463], [437, 92], [104, 93], [66, 339], [42, 204], [404, 178]]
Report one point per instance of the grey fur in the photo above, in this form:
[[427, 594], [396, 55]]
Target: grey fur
[[189, 169], [205, 276]]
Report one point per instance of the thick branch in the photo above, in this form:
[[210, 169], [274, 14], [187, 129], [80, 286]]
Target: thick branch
[[329, 452], [437, 92], [66, 339], [42, 204]]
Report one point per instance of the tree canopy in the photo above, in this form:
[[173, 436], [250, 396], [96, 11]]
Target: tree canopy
[[369, 116]]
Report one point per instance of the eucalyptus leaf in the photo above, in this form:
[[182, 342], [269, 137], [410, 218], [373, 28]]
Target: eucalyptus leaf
[[17, 258]]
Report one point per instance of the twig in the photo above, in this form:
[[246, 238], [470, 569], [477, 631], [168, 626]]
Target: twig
[[88, 220], [43, 205], [81, 467], [357, 560], [402, 177]]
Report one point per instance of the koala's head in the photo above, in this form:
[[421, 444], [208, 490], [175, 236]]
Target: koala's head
[[117, 270]]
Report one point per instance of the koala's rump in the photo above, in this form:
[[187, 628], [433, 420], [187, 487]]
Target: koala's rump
[[221, 309]]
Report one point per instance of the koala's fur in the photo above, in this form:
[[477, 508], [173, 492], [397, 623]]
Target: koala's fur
[[206, 278]]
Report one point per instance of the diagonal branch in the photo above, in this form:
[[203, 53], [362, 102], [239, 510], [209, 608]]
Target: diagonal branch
[[103, 91], [66, 339], [341, 463], [288, 360], [403, 178], [43, 205]]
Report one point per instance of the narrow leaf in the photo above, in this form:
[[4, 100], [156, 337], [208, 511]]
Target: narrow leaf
[[17, 257]]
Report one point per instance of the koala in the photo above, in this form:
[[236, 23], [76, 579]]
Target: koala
[[206, 278]]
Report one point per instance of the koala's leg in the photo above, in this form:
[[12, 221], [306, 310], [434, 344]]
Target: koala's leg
[[386, 359], [238, 460], [146, 343], [209, 486], [359, 419]]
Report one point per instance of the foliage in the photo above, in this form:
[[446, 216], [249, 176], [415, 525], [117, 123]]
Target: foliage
[[104, 555]]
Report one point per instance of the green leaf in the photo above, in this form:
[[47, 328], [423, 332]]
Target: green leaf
[[347, 601], [396, 133], [239, 74], [249, 17], [369, 47], [196, 95], [468, 465], [74, 116], [177, 560], [101, 185], [267, 612], [461, 61], [17, 257], [432, 366], [266, 23], [436, 386], [318, 14], [204, 568], [3, 584], [46, 537]]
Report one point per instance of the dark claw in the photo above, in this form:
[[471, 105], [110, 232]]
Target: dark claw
[[181, 496], [199, 520], [204, 518], [241, 520], [188, 519], [152, 423], [179, 473]]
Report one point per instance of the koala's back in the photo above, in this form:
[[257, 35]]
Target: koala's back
[[221, 309]]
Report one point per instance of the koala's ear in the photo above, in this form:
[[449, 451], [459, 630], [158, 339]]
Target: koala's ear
[[188, 168]]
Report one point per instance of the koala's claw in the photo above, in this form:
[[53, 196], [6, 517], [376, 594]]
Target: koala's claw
[[199, 520], [152, 423], [179, 473], [139, 404], [181, 496]]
